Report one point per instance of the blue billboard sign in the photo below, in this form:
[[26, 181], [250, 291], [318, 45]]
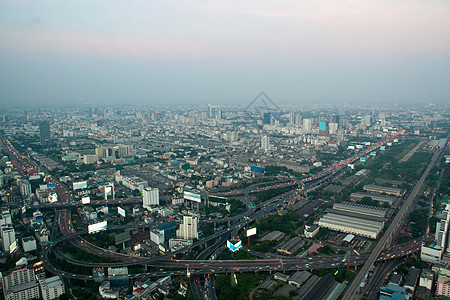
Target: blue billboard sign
[[234, 246], [322, 125]]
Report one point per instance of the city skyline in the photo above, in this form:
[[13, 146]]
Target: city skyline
[[224, 52]]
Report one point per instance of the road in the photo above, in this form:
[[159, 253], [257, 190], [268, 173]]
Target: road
[[117, 201], [371, 289]]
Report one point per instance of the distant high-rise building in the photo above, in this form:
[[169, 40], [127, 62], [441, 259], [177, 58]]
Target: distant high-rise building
[[44, 132], [267, 118], [214, 112], [335, 119], [150, 197], [333, 128], [291, 118], [367, 120], [265, 143], [108, 191], [124, 150], [188, 229], [298, 119], [103, 152], [307, 124], [323, 128], [8, 236], [442, 228], [5, 218], [25, 187], [344, 123]]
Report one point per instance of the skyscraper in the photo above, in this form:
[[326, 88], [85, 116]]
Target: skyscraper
[[150, 197], [267, 118], [307, 124], [291, 118], [188, 229], [8, 236], [265, 143], [44, 132]]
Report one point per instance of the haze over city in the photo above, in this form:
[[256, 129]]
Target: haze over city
[[225, 149], [224, 52]]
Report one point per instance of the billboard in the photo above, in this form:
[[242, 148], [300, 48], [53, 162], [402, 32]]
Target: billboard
[[251, 231], [13, 247], [362, 159], [52, 198], [86, 200], [51, 185], [234, 246], [382, 148], [192, 196], [322, 125], [121, 211], [97, 227], [79, 185], [367, 143], [257, 169], [373, 153], [122, 237]]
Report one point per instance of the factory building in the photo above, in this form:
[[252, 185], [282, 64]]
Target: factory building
[[381, 199], [362, 220], [361, 209], [383, 190]]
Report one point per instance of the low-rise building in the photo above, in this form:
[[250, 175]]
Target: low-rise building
[[311, 230], [29, 244], [290, 246], [443, 285], [298, 278], [383, 190], [358, 196], [411, 280], [352, 222], [281, 277], [431, 252], [426, 279]]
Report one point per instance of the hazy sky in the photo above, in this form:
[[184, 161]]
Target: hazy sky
[[201, 51]]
